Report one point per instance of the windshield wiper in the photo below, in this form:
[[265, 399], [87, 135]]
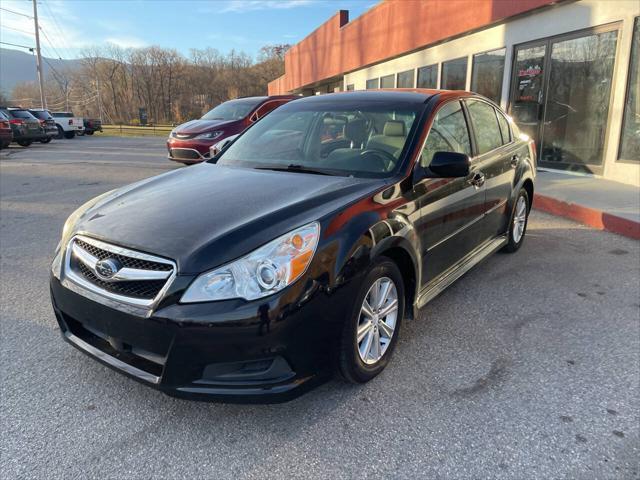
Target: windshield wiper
[[295, 168]]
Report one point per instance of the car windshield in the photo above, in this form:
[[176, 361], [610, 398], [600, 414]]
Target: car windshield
[[335, 139], [232, 110], [21, 114]]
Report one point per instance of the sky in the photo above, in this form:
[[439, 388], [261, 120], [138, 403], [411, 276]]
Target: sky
[[69, 26]]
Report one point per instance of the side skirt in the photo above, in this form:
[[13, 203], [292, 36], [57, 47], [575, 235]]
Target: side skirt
[[438, 285]]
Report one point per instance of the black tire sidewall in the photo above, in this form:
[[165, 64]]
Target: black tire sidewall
[[512, 245], [352, 367]]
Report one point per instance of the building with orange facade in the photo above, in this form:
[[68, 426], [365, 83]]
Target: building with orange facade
[[566, 71]]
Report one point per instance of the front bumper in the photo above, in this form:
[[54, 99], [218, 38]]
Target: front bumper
[[189, 150], [235, 351]]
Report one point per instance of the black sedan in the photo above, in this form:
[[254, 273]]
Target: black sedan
[[299, 249]]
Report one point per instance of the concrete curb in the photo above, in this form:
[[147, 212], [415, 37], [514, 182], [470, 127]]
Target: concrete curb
[[588, 216]]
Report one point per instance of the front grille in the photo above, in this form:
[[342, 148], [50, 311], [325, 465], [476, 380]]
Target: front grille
[[139, 277], [185, 154], [130, 262], [136, 289]]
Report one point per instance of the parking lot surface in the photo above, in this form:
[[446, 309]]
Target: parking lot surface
[[528, 367]]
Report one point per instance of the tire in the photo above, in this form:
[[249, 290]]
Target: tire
[[352, 354], [24, 143], [89, 133], [46, 140], [60, 132], [518, 222], [69, 134], [80, 134]]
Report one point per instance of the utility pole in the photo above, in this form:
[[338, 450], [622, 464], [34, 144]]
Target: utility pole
[[39, 55]]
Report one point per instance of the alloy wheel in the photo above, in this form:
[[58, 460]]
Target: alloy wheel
[[377, 322], [519, 219]]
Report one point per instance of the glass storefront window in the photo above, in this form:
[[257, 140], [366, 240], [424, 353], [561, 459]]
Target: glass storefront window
[[388, 81], [373, 83], [405, 79], [630, 138], [350, 87], [487, 71], [577, 100], [428, 76], [454, 74]]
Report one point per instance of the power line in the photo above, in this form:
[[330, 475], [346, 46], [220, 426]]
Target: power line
[[60, 32], [18, 30], [16, 13], [16, 45], [50, 43]]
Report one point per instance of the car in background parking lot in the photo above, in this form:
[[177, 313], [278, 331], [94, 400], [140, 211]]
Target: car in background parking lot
[[92, 125], [46, 122], [299, 248], [68, 124], [190, 142], [25, 127], [6, 135]]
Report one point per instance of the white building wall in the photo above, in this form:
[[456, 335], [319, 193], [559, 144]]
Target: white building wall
[[557, 20]]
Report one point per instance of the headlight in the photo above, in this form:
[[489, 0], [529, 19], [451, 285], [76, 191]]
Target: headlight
[[263, 272], [209, 135]]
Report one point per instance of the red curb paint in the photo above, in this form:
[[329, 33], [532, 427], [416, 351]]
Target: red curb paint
[[588, 216]]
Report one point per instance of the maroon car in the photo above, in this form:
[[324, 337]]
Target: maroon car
[[6, 135], [189, 143]]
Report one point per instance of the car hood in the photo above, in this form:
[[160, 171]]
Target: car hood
[[206, 215], [202, 126]]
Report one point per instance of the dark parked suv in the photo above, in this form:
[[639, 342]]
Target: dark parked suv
[[299, 249], [47, 123], [25, 127], [189, 143]]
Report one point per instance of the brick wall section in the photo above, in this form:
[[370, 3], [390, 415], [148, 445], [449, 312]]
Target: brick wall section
[[389, 29]]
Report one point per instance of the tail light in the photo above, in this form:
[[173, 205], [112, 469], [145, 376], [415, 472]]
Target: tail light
[[16, 121], [4, 124], [42, 122], [71, 121], [534, 152]]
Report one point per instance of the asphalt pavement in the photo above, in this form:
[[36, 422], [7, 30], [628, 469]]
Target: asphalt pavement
[[528, 367]]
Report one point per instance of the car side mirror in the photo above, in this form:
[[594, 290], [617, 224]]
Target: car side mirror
[[216, 148], [450, 164]]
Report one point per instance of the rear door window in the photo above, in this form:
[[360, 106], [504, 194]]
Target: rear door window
[[485, 126], [448, 133]]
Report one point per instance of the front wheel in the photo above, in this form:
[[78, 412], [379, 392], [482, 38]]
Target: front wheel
[[24, 143], [45, 140], [371, 332], [518, 222]]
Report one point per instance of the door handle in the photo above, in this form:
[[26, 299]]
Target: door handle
[[477, 180], [514, 161]]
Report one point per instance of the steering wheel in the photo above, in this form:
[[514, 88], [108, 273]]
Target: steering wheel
[[381, 159]]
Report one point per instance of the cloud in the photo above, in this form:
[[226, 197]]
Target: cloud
[[17, 27], [126, 42], [242, 6]]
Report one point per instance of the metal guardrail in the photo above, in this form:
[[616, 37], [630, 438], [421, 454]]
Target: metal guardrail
[[136, 130]]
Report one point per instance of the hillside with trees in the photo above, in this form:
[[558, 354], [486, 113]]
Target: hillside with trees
[[114, 83]]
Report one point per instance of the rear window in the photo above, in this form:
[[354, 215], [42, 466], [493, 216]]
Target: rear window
[[42, 115], [21, 114], [63, 114]]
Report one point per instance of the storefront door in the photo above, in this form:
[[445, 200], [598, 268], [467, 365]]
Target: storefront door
[[560, 96]]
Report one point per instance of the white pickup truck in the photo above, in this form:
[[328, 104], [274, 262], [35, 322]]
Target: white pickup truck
[[68, 125]]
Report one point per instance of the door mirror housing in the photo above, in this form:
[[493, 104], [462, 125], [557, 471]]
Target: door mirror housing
[[450, 164]]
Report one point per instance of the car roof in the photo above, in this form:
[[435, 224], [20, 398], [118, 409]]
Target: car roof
[[404, 95]]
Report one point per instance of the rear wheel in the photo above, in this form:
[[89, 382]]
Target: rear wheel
[[45, 140], [24, 143], [69, 134], [518, 222], [371, 332], [60, 132]]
